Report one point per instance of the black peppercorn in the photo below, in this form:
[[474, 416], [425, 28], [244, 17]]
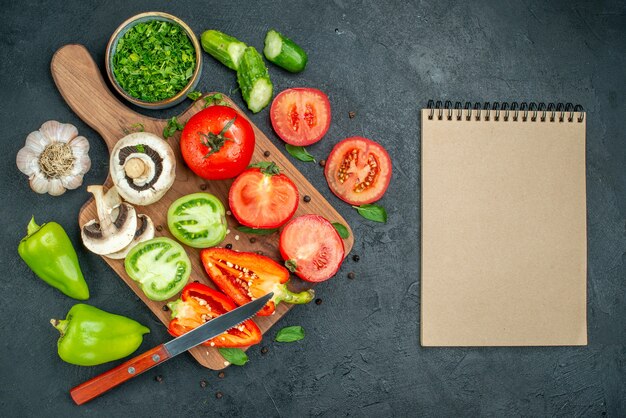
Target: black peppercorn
[[351, 275], [318, 301], [351, 115], [356, 258], [307, 198], [264, 350], [165, 308], [203, 186], [203, 383], [229, 246], [322, 163], [221, 375], [159, 228], [252, 240], [266, 154], [219, 395], [158, 378]]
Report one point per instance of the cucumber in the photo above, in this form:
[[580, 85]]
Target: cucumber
[[254, 80], [224, 48], [284, 52]]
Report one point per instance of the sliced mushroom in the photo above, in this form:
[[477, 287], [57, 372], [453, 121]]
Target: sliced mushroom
[[142, 168], [108, 234], [144, 232]]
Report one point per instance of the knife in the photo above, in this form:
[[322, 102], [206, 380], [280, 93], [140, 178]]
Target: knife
[[98, 385]]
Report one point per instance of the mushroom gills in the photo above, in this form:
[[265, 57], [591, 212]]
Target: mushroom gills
[[105, 235], [144, 232]]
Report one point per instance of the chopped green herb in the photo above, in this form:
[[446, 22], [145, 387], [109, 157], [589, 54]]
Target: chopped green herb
[[290, 334], [154, 60], [234, 356], [172, 126], [300, 153], [374, 213], [140, 148], [256, 231], [194, 95], [342, 230], [215, 99]]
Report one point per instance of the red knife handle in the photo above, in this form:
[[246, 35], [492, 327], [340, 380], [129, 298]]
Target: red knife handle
[[98, 385]]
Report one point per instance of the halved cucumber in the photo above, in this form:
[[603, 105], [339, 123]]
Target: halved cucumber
[[254, 80], [197, 220], [224, 48], [284, 52]]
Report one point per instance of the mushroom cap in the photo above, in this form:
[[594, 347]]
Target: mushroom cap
[[99, 242], [144, 232], [159, 163]]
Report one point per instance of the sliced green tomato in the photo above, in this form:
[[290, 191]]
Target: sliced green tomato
[[197, 220], [160, 267]]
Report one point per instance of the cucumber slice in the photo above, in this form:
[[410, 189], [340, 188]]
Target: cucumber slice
[[224, 48], [197, 220], [254, 80], [160, 267], [284, 52]]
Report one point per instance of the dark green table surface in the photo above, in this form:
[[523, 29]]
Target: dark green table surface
[[361, 355]]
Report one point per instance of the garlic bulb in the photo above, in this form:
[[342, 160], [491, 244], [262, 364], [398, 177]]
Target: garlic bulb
[[54, 158]]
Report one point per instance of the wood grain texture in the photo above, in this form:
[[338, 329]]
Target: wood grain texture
[[83, 88]]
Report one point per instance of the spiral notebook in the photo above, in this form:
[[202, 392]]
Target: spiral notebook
[[504, 247]]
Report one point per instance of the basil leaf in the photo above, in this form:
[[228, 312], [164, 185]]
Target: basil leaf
[[194, 95], [234, 356], [290, 334], [342, 230], [300, 153], [256, 231], [374, 213]]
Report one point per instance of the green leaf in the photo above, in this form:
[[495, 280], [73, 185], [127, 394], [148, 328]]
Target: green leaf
[[291, 265], [342, 230], [140, 148], [172, 126], [268, 168], [194, 95], [374, 213], [290, 334], [215, 99], [234, 356], [256, 231], [300, 153]]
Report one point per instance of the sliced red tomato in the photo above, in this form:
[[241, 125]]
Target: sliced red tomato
[[300, 116], [217, 143], [198, 304], [261, 197], [358, 170], [311, 248]]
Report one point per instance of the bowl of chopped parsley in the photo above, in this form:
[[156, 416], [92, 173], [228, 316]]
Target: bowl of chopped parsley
[[153, 60]]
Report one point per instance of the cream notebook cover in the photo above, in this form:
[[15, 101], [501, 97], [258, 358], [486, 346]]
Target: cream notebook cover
[[504, 246]]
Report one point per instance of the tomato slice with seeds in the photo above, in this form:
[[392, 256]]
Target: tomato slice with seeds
[[261, 197], [358, 170], [311, 248], [300, 116]]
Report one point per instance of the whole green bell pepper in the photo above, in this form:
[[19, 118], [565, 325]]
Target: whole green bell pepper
[[48, 251], [90, 336]]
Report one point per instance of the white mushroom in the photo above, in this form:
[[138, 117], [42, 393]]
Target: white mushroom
[[108, 234], [142, 168], [144, 232]]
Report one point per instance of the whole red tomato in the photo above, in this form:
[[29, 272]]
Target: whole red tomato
[[217, 143]]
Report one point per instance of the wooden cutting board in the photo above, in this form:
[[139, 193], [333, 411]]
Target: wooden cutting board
[[83, 88]]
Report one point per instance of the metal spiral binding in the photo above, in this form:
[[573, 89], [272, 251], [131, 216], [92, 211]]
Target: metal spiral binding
[[522, 111]]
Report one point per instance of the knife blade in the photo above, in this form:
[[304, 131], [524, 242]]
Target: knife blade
[[98, 385]]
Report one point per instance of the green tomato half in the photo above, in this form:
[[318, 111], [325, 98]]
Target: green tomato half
[[198, 220]]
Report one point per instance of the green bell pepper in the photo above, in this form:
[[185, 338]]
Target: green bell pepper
[[90, 336], [48, 251]]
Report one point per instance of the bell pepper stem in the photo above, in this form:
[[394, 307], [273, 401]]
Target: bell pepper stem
[[32, 227], [282, 294], [60, 325]]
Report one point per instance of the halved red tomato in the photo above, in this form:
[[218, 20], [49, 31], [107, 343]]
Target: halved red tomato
[[217, 143], [358, 170], [261, 197], [311, 248], [300, 116]]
